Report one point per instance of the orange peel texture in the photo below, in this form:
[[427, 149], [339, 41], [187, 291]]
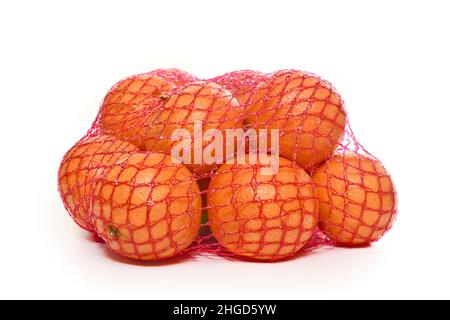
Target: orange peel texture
[[128, 106], [81, 165], [200, 102], [147, 208], [262, 217], [357, 199], [306, 110]]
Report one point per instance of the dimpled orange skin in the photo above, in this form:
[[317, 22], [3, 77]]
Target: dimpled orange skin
[[357, 199], [80, 167], [262, 217], [147, 208], [307, 111], [241, 83], [201, 101], [177, 76], [128, 105]]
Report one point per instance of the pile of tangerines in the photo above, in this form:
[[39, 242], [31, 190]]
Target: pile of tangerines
[[122, 182]]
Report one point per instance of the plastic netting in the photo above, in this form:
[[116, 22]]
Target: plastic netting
[[249, 165]]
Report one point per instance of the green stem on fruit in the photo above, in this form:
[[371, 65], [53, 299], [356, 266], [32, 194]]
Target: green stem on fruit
[[113, 232]]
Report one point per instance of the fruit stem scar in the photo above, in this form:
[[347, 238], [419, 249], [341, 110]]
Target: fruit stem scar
[[163, 97], [113, 232]]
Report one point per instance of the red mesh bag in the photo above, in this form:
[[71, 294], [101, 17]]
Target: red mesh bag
[[81, 165], [248, 165]]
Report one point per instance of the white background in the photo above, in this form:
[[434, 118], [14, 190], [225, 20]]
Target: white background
[[389, 60]]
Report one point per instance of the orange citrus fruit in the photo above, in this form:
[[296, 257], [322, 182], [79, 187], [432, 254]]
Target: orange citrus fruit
[[241, 83], [201, 102], [79, 168], [147, 208], [177, 76], [264, 217], [306, 110], [357, 199], [128, 106]]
